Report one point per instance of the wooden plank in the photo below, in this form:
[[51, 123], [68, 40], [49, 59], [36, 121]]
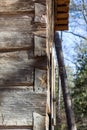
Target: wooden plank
[[40, 62], [62, 9], [39, 121], [61, 22], [40, 13], [18, 5], [40, 46], [40, 80], [47, 122], [19, 22], [17, 107], [40, 33], [9, 13], [61, 27], [61, 16], [62, 2]]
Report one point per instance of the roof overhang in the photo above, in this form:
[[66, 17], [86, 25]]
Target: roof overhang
[[61, 15]]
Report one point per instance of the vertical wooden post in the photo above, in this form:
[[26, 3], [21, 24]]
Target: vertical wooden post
[[50, 37], [62, 73]]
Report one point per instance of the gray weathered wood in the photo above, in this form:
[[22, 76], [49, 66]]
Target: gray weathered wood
[[16, 22], [16, 38], [18, 28], [17, 107], [40, 33], [18, 5], [40, 80], [14, 68], [40, 62], [40, 46], [40, 13], [39, 121]]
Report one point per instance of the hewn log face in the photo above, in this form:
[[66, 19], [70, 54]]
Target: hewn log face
[[39, 121], [18, 5], [15, 39], [40, 46], [19, 23], [40, 13], [16, 68], [22, 50], [16, 22], [40, 80], [16, 107]]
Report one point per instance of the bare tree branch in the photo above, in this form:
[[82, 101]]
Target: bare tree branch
[[78, 35]]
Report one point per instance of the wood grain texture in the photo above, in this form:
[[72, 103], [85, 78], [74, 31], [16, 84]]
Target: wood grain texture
[[19, 23], [22, 50], [61, 16], [61, 27], [15, 38], [40, 62], [14, 68], [40, 13], [40, 80], [61, 21], [18, 5], [40, 46], [39, 122], [17, 107], [16, 22]]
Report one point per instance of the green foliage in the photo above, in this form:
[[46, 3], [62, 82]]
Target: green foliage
[[80, 90]]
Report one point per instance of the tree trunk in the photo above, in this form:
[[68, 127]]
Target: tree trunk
[[63, 77]]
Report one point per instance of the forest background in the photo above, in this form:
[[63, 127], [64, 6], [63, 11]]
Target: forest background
[[74, 43]]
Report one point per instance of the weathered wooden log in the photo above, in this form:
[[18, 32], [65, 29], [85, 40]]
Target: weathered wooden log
[[62, 2], [40, 46], [16, 38], [16, 68], [17, 107], [40, 13], [39, 121], [18, 5], [62, 9]]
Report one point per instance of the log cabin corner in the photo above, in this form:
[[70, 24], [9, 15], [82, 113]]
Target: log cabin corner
[[27, 68]]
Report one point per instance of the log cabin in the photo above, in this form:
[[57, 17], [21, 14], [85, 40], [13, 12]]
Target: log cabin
[[27, 70]]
